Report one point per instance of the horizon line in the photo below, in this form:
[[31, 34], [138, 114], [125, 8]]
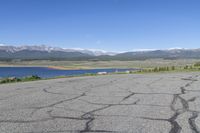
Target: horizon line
[[96, 49]]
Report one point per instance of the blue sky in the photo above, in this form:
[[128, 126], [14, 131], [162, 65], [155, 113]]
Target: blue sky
[[113, 25]]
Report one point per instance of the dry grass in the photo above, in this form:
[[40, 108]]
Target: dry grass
[[103, 64]]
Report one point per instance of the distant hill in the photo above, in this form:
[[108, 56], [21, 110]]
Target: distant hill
[[165, 54], [42, 52]]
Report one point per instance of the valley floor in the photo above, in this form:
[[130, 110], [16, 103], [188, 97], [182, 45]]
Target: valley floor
[[126, 103], [102, 64]]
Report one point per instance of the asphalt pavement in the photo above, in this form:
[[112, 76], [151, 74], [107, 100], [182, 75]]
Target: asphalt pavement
[[124, 103]]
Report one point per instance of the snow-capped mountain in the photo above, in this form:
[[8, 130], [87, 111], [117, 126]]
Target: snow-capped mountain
[[42, 52], [45, 48], [95, 52]]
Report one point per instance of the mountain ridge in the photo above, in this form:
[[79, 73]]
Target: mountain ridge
[[43, 52], [95, 52]]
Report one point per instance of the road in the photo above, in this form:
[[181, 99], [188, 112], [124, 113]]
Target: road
[[126, 103]]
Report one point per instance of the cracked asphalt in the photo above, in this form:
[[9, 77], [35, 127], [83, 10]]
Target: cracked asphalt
[[129, 103]]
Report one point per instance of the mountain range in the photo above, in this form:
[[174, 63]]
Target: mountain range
[[42, 52]]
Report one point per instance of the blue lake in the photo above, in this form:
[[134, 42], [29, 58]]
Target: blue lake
[[45, 72]]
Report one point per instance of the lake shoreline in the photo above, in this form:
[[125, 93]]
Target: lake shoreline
[[64, 68], [50, 72], [50, 67]]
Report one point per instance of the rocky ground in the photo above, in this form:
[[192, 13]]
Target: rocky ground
[[143, 103]]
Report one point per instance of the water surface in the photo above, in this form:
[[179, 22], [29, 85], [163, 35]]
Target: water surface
[[45, 72]]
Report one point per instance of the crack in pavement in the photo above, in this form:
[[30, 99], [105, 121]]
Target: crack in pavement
[[183, 90], [192, 123], [176, 128], [75, 131], [56, 103], [185, 108], [195, 114], [50, 92], [130, 95], [91, 116], [46, 119], [62, 101], [113, 104], [25, 121]]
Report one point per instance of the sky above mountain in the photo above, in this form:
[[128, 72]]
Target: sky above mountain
[[112, 25]]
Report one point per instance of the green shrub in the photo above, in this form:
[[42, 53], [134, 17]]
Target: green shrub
[[30, 78], [172, 67], [186, 67], [14, 79], [10, 80], [197, 64]]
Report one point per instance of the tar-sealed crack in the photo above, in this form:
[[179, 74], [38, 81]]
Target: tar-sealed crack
[[57, 103], [192, 123], [175, 127], [130, 95], [90, 116], [47, 91], [185, 108]]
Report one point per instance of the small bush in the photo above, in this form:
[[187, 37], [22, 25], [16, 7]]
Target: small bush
[[30, 78], [186, 67], [10, 80], [173, 68], [197, 64], [14, 79]]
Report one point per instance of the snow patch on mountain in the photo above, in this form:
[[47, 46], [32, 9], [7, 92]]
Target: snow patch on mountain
[[94, 52]]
